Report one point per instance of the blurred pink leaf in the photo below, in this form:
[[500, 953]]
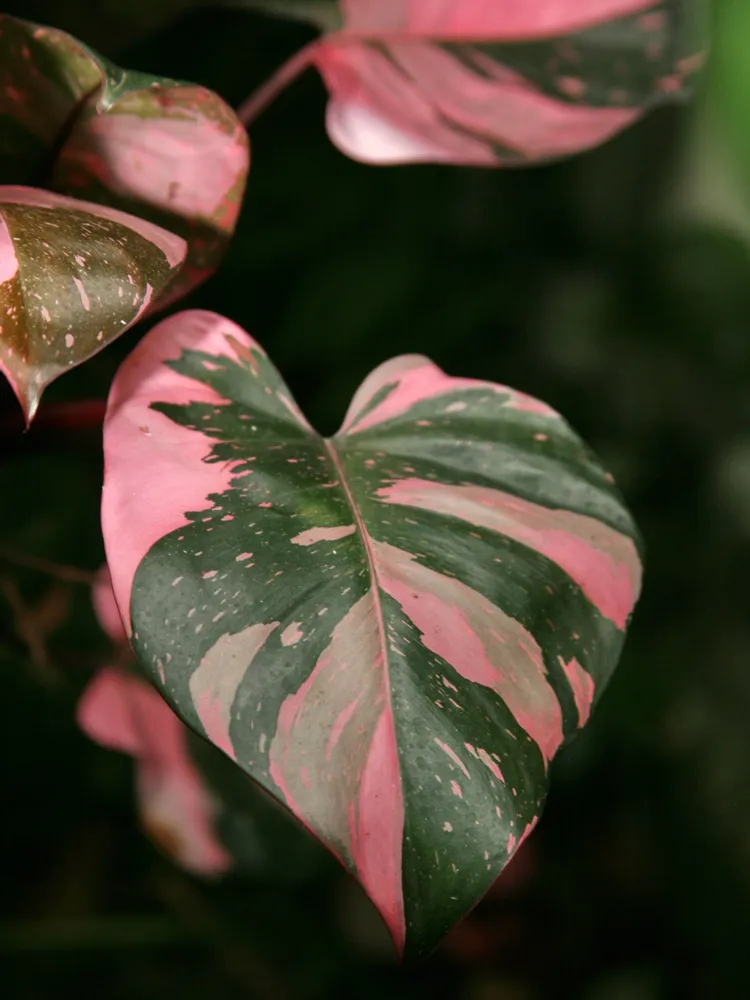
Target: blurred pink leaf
[[123, 712]]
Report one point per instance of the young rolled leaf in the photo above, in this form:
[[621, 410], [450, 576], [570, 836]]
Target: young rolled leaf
[[171, 152], [392, 631], [502, 82], [73, 277]]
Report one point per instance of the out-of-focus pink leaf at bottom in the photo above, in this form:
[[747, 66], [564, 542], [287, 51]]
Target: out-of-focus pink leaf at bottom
[[124, 713]]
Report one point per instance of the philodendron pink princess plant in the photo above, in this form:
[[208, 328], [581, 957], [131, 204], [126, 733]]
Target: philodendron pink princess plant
[[391, 631]]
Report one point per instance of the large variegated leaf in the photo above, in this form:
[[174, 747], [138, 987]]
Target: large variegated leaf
[[171, 152], [393, 631], [491, 82], [73, 276]]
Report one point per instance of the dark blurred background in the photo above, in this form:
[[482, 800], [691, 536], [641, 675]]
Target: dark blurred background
[[616, 286]]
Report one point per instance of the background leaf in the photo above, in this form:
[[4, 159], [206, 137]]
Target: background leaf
[[485, 84], [393, 630]]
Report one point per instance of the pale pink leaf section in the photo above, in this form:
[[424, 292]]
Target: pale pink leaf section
[[354, 127], [449, 111], [8, 259], [214, 683], [173, 247], [180, 165], [582, 685], [414, 379], [501, 20], [481, 642], [137, 440], [602, 561], [124, 713], [334, 758], [313, 535]]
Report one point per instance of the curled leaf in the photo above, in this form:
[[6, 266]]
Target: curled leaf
[[394, 630], [171, 152], [73, 277], [500, 82], [124, 713]]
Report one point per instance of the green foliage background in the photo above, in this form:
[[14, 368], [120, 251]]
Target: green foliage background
[[615, 286]]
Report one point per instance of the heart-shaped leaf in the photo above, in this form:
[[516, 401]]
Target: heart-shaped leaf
[[171, 152], [392, 631], [502, 82], [73, 277]]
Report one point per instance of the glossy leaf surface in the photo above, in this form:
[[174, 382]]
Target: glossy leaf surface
[[171, 152], [500, 82], [73, 276], [392, 631]]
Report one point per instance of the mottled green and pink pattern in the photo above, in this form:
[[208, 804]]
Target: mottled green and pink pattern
[[500, 82], [394, 630]]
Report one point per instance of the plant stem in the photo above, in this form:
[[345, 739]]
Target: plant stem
[[250, 109]]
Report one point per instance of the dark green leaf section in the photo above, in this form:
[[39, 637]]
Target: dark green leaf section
[[635, 61]]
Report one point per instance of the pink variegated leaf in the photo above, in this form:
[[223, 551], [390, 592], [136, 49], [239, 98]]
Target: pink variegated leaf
[[171, 152], [498, 82], [394, 630], [73, 277]]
